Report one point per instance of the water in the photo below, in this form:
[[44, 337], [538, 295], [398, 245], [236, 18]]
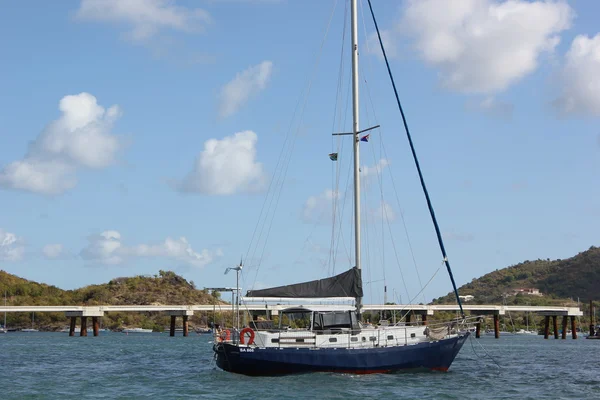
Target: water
[[118, 366]]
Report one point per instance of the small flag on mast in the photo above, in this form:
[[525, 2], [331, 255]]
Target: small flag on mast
[[333, 156], [365, 138]]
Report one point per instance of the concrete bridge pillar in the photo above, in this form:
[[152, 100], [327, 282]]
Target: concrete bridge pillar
[[497, 326], [546, 326], [72, 326], [185, 325], [83, 330], [555, 326], [564, 327], [184, 314], [95, 325], [573, 327], [86, 312]]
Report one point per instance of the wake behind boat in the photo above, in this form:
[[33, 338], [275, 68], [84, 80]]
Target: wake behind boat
[[330, 339]]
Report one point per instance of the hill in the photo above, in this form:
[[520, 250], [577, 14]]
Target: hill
[[164, 288], [558, 281]]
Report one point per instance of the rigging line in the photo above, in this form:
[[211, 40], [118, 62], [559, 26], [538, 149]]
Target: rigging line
[[379, 175], [396, 252], [340, 231], [275, 178], [335, 166], [410, 301], [364, 192], [295, 137], [366, 232], [380, 185], [414, 154], [279, 174], [382, 149]]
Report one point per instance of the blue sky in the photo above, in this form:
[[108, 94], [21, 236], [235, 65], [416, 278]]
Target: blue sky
[[145, 135]]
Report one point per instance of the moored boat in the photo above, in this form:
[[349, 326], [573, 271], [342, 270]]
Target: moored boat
[[136, 330], [331, 338]]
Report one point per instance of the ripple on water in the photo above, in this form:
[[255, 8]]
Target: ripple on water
[[117, 366]]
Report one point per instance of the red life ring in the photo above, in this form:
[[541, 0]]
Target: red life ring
[[225, 336], [243, 334]]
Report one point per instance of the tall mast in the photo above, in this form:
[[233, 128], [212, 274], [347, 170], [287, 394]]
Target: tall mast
[[355, 134]]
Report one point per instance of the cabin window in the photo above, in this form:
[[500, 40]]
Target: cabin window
[[334, 320], [413, 335], [354, 339], [295, 318], [274, 340], [332, 339], [390, 337], [364, 339], [299, 340], [373, 338]]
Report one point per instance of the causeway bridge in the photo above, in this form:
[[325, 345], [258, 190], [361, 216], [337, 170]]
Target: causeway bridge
[[408, 311]]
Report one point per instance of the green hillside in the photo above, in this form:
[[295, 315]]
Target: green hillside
[[164, 288], [559, 281]]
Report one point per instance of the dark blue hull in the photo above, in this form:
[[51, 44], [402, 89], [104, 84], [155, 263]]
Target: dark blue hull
[[278, 361]]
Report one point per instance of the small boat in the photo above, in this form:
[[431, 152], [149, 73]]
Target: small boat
[[594, 333], [32, 329], [136, 330], [204, 331]]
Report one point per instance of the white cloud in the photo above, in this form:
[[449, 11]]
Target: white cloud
[[104, 248], [316, 207], [11, 247], [581, 78], [491, 106], [52, 251], [107, 248], [245, 85], [226, 166], [81, 137], [375, 170], [146, 17], [389, 43], [483, 46], [384, 212]]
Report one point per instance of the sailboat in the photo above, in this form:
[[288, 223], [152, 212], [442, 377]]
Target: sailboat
[[331, 339], [32, 329]]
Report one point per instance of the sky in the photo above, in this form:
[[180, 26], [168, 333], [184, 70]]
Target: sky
[[147, 135]]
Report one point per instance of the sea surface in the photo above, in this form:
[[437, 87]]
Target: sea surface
[[143, 366]]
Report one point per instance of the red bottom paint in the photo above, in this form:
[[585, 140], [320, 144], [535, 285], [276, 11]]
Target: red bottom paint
[[442, 369]]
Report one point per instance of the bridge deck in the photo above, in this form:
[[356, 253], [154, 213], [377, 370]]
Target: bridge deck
[[415, 308]]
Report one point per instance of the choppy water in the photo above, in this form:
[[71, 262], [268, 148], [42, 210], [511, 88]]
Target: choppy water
[[118, 366]]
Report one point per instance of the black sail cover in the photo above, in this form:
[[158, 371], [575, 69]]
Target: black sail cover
[[347, 284]]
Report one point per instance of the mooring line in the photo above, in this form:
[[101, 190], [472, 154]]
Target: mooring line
[[486, 352]]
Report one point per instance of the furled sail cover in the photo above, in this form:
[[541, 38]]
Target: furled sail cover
[[347, 284]]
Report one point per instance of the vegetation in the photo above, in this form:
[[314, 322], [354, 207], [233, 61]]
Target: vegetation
[[164, 288], [561, 282]]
